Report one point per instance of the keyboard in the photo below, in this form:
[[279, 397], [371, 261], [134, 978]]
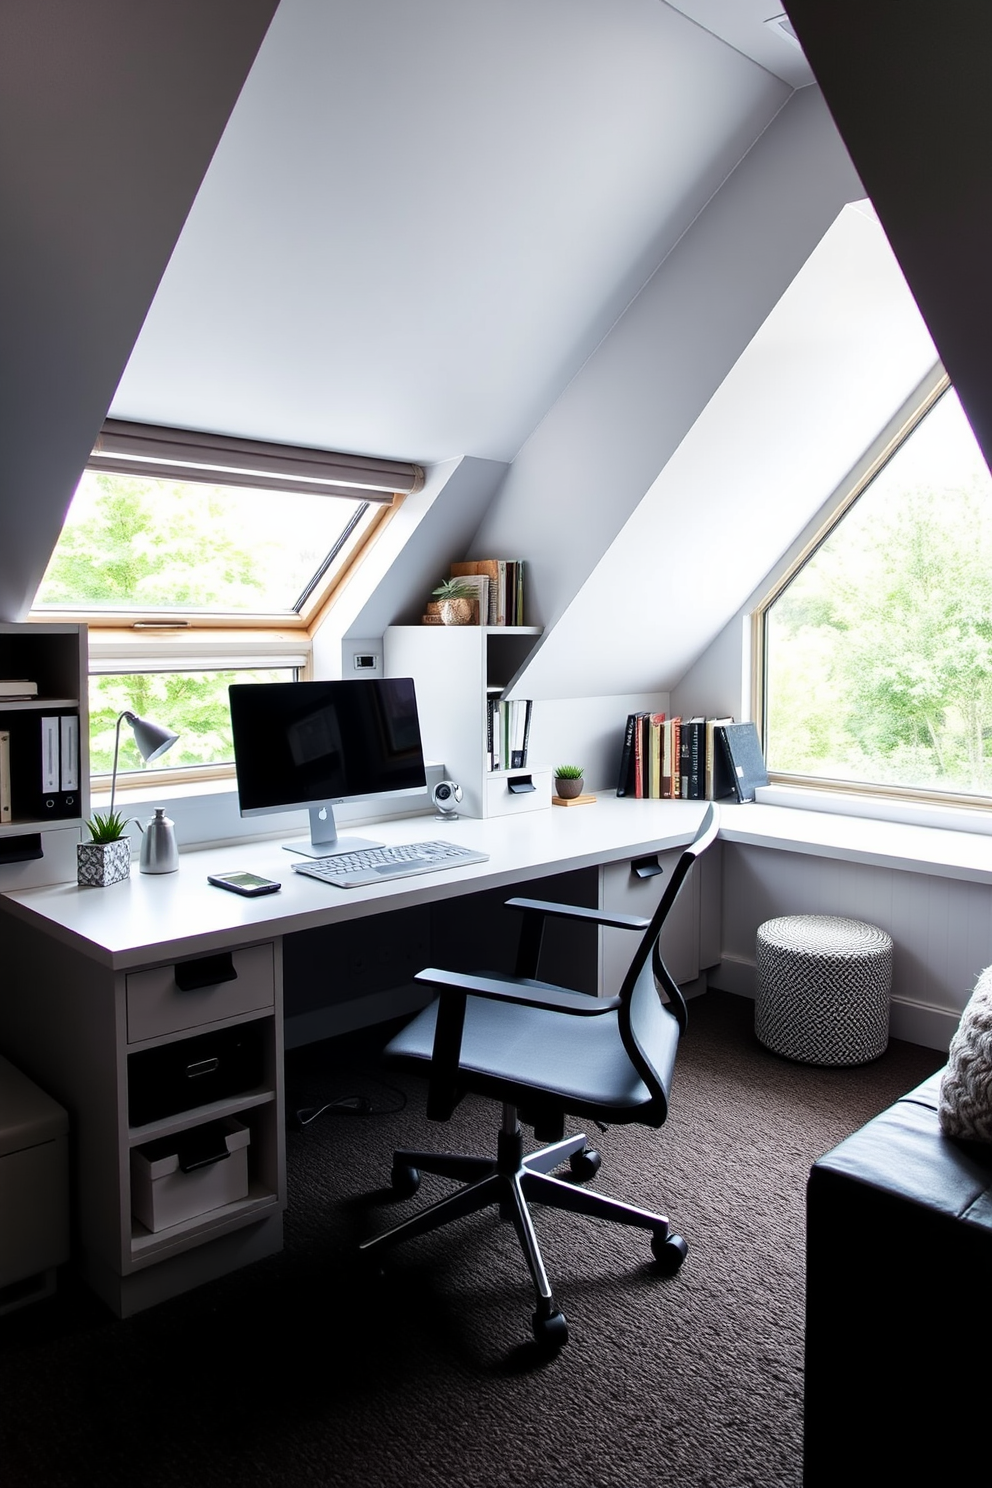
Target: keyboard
[[375, 864]]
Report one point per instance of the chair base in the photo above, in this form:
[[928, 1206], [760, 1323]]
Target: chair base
[[511, 1181]]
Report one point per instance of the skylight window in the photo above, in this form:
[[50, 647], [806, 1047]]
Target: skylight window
[[142, 545]]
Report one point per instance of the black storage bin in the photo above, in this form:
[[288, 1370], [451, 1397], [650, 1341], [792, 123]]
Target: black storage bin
[[180, 1076]]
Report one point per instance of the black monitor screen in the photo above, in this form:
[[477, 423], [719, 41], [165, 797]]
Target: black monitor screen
[[301, 744]]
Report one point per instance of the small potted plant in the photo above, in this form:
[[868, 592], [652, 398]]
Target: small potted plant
[[568, 782], [106, 858], [455, 598]]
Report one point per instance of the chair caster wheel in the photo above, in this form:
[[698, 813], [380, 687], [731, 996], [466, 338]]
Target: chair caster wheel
[[585, 1165], [551, 1331], [669, 1252], [405, 1180]]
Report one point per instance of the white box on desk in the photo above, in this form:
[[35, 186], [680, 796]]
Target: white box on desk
[[163, 1195]]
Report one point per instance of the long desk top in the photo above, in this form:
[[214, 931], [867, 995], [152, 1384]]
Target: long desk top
[[159, 917]]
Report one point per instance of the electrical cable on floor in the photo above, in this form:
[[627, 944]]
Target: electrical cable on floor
[[350, 1105]]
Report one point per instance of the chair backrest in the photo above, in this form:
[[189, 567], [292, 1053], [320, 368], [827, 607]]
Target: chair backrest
[[650, 1028]]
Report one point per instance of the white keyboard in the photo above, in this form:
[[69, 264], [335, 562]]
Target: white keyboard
[[374, 864]]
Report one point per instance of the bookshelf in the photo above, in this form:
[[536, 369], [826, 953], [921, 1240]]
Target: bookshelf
[[457, 669], [45, 807]]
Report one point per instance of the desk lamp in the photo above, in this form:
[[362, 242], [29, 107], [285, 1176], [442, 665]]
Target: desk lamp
[[152, 740]]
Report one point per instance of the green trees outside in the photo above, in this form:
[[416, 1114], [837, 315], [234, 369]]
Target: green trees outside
[[879, 653], [151, 544], [139, 545], [193, 704]]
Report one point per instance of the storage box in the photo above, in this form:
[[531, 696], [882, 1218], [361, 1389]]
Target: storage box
[[179, 1177], [193, 1072]]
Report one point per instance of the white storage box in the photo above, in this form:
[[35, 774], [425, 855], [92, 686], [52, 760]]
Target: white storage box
[[179, 1177]]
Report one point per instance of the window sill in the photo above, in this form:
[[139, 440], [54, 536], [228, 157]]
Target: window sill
[[853, 836], [878, 808]]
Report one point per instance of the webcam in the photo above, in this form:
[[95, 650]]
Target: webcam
[[446, 795]]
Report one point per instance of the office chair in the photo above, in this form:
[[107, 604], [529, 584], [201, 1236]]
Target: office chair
[[543, 1051]]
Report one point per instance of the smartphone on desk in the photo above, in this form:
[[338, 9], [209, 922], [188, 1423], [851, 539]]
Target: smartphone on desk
[[244, 883]]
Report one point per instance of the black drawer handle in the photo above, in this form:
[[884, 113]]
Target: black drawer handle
[[646, 867], [202, 1067], [205, 971]]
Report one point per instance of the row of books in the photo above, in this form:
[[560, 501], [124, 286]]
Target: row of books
[[499, 591], [689, 759], [507, 733]]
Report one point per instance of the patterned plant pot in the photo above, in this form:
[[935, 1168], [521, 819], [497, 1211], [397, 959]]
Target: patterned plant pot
[[100, 864], [566, 789], [456, 611]]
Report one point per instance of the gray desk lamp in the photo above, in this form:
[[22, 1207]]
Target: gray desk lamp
[[151, 738]]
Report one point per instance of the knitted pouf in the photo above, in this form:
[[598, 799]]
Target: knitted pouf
[[823, 989]]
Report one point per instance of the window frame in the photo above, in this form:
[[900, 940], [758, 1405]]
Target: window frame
[[154, 640], [925, 398]]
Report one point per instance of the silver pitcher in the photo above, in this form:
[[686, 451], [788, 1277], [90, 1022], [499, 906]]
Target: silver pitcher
[[159, 852]]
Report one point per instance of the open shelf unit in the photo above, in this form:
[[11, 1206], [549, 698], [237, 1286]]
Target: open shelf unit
[[38, 842], [456, 670]]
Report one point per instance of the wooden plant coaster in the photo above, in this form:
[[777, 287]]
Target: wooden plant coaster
[[573, 800]]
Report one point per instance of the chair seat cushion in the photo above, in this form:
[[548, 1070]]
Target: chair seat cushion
[[580, 1062]]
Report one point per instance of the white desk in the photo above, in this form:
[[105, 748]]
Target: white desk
[[91, 982], [152, 917]]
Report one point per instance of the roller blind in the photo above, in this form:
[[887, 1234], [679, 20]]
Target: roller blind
[[127, 448]]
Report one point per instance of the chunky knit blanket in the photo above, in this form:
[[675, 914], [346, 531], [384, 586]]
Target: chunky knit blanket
[[965, 1107]]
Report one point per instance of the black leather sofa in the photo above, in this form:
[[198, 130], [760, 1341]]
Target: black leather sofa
[[897, 1385]]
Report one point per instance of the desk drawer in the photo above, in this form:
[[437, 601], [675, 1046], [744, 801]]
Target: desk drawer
[[169, 999]]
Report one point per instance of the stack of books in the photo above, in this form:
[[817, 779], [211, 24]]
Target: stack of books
[[689, 759]]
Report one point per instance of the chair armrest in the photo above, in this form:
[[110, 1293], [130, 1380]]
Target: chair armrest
[[554, 999], [577, 912]]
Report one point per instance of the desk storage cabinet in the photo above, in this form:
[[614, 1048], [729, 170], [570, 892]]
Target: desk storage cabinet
[[140, 1056]]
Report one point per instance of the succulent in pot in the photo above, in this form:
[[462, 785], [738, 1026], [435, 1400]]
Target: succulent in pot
[[106, 858], [455, 598]]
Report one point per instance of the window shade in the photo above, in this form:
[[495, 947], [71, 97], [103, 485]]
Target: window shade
[[181, 454]]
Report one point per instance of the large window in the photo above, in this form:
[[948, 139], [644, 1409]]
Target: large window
[[198, 560], [877, 646]]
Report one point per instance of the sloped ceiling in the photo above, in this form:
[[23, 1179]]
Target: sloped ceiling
[[422, 218], [910, 96], [841, 351], [98, 168]]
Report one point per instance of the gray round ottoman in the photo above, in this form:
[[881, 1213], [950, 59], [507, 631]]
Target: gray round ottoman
[[823, 989]]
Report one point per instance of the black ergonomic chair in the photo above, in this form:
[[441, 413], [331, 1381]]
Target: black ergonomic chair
[[543, 1050]]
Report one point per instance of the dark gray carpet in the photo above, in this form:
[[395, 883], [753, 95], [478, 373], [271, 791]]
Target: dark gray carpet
[[293, 1372]]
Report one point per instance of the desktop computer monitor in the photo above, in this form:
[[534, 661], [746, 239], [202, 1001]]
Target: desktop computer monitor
[[310, 746]]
